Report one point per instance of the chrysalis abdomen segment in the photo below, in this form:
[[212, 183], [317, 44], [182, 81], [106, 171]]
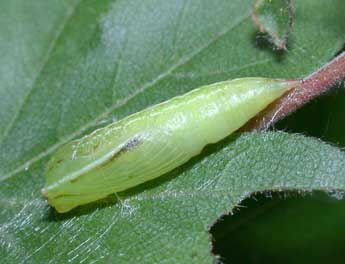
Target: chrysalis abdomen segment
[[149, 143]]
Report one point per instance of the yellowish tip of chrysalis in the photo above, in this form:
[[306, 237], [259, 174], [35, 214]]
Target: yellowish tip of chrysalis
[[293, 83]]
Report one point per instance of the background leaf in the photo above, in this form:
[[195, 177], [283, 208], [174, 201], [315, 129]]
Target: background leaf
[[275, 18], [71, 66]]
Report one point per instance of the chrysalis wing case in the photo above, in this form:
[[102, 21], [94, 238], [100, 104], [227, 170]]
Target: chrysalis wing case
[[149, 143]]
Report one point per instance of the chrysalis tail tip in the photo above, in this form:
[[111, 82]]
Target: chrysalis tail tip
[[293, 83]]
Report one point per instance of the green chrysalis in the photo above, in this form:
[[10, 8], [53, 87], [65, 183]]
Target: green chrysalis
[[147, 144]]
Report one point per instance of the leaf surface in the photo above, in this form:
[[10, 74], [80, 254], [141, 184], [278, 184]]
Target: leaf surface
[[71, 66]]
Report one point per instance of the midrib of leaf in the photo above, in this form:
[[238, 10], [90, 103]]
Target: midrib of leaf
[[120, 103]]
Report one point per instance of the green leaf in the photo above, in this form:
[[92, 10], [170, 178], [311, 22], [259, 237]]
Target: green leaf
[[274, 18], [69, 67]]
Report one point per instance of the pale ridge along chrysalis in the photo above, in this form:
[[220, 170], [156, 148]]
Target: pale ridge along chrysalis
[[147, 144]]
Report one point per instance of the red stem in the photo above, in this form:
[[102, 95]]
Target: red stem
[[315, 84]]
